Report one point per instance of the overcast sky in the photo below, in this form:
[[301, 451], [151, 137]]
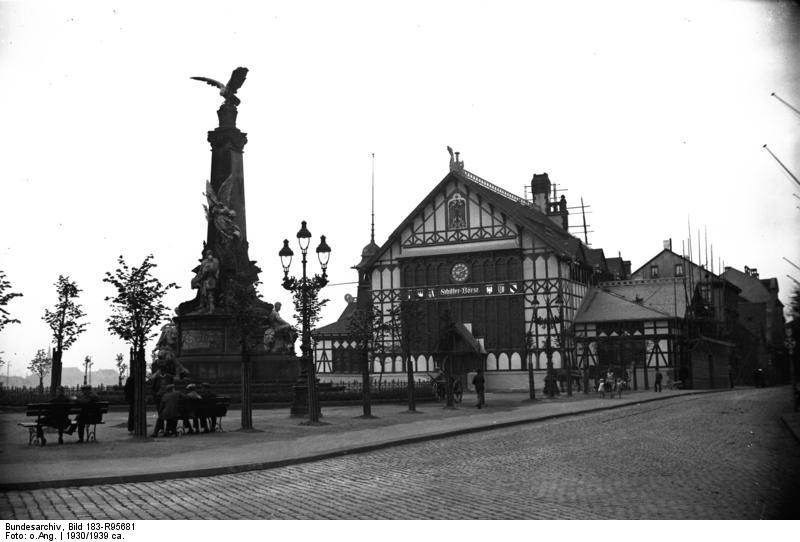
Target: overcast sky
[[654, 113]]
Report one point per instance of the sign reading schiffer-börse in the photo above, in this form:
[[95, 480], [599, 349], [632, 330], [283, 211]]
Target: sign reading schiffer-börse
[[471, 290]]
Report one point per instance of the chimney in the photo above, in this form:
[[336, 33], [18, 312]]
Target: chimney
[[668, 244], [540, 188]]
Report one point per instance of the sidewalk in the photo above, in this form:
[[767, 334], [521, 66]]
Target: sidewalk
[[277, 440]]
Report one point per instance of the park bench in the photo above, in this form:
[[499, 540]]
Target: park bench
[[216, 408], [47, 414]]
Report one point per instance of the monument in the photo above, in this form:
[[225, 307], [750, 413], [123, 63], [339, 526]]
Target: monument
[[205, 342]]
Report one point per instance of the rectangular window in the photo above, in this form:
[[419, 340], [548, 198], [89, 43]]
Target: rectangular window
[[678, 269], [653, 271]]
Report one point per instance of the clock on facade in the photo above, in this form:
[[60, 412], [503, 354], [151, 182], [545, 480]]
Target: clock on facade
[[459, 272]]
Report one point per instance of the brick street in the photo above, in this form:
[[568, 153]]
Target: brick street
[[714, 456]]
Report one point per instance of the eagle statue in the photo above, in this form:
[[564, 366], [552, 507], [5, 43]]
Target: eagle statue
[[228, 91]]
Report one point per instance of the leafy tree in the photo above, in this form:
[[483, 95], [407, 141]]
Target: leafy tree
[[241, 301], [40, 366], [315, 306], [5, 297], [136, 309], [408, 322], [121, 367], [64, 323], [364, 328], [138, 306]]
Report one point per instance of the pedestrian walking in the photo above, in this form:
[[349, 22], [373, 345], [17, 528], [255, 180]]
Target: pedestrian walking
[[479, 381], [601, 388], [659, 378]]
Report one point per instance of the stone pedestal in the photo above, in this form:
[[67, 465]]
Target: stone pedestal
[[299, 407], [208, 347]]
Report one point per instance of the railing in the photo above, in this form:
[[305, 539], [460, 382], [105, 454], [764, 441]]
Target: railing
[[494, 188]]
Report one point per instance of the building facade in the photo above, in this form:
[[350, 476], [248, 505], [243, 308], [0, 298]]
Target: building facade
[[672, 316], [479, 277]]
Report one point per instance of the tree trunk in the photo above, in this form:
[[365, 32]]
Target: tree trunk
[[247, 404], [448, 380], [55, 375], [412, 400], [366, 394], [139, 396]]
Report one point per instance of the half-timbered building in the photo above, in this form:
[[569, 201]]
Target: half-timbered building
[[479, 276], [672, 316]]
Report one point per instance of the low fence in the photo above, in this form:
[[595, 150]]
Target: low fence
[[262, 393]]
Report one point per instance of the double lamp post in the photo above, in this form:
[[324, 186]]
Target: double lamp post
[[307, 286]]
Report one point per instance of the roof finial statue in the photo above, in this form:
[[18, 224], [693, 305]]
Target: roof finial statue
[[455, 163], [228, 91]]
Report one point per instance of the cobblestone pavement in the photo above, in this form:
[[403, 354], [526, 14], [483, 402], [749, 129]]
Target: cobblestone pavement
[[715, 456]]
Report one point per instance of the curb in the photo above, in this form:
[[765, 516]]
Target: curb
[[235, 469], [792, 426]]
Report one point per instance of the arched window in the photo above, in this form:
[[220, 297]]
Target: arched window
[[491, 362], [502, 362]]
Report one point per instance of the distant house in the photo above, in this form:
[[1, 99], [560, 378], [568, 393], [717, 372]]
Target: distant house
[[334, 349], [672, 316], [760, 314]]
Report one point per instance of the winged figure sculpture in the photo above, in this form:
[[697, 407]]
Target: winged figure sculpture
[[228, 91], [220, 214]]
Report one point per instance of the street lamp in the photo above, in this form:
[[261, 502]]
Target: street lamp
[[87, 375], [307, 286], [549, 321]]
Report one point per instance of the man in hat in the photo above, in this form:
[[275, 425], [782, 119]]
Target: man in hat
[[170, 411], [85, 417]]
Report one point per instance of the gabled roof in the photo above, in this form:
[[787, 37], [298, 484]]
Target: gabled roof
[[752, 289], [516, 209], [340, 327], [605, 306], [468, 338], [677, 256], [596, 257], [654, 299], [616, 266]]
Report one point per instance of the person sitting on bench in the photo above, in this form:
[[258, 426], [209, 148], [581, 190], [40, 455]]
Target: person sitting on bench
[[86, 396], [60, 417]]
